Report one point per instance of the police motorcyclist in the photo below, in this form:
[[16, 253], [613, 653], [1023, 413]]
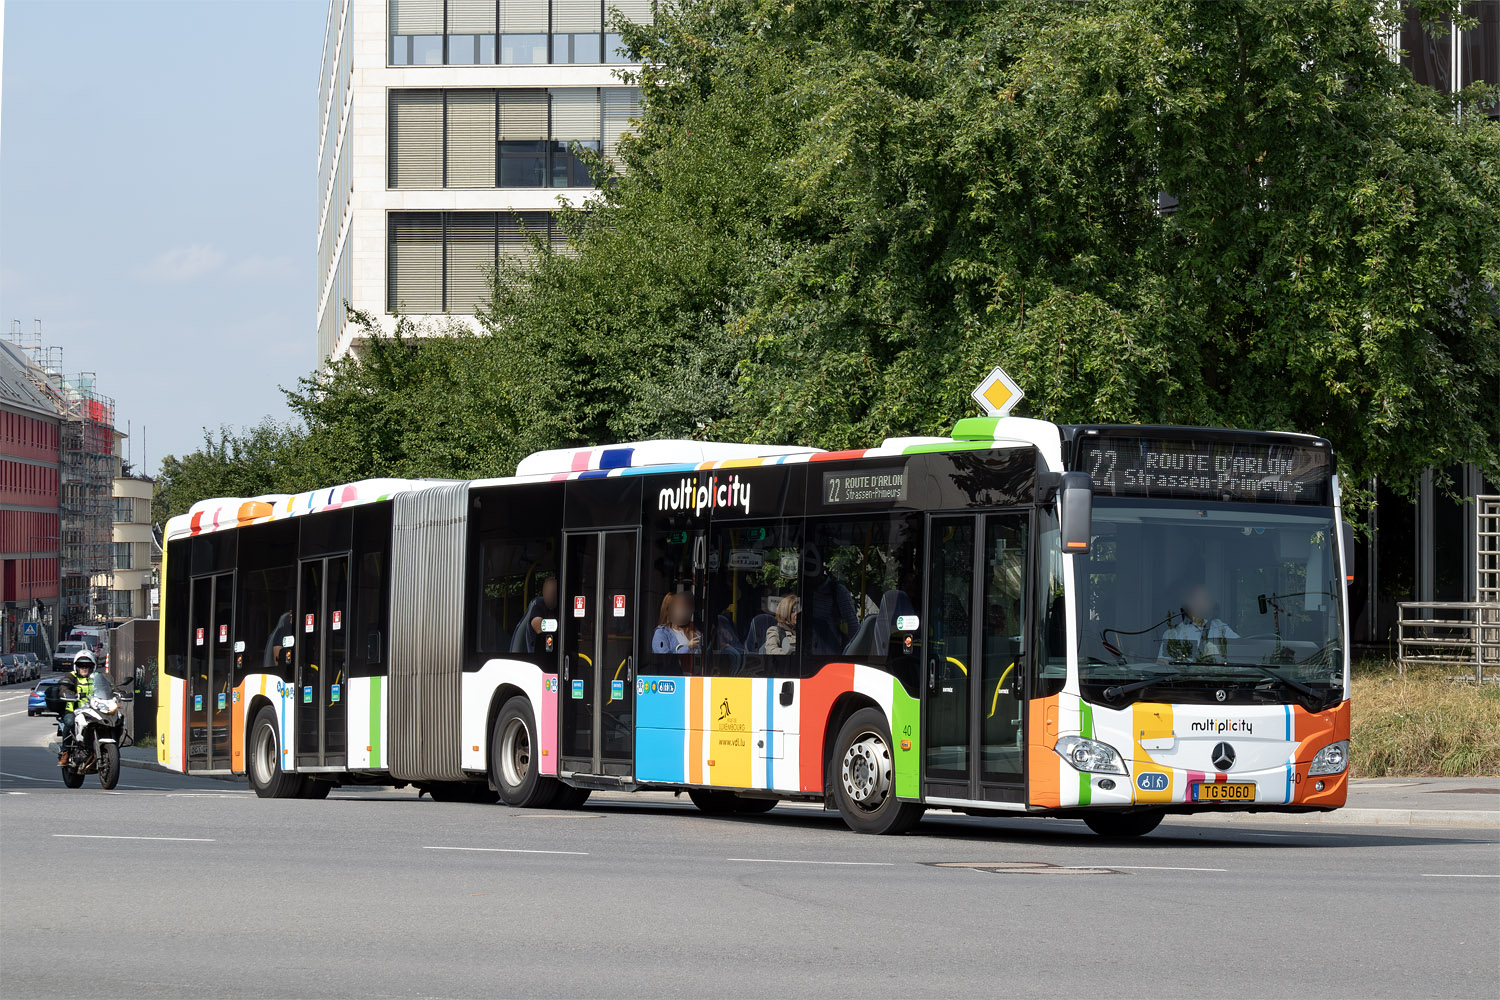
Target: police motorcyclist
[[76, 688]]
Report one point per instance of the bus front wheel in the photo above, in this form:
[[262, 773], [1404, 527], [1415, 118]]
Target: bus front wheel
[[266, 775], [1123, 825], [515, 758], [863, 777]]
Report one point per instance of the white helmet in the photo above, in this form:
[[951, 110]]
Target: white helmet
[[82, 660]]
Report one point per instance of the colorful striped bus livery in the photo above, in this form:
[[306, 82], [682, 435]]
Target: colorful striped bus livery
[[1111, 623]]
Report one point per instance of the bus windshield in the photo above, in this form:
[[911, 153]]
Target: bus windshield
[[1209, 604]]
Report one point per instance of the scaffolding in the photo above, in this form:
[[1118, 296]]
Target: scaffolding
[[86, 455]]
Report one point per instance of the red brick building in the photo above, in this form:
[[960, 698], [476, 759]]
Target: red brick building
[[30, 442]]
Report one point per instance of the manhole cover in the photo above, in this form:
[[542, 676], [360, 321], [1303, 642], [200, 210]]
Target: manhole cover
[[1023, 868]]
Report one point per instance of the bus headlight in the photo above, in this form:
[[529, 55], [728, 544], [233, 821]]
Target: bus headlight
[[1090, 755], [1332, 759]]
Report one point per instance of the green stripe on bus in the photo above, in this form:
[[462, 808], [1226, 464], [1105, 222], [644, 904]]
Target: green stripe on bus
[[941, 446], [1086, 724], [375, 721], [906, 731]]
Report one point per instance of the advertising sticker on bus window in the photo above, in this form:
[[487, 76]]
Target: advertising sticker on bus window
[[223, 633], [907, 623], [199, 640], [288, 641], [307, 624], [549, 624], [338, 621], [239, 645], [578, 689], [578, 606], [619, 605]]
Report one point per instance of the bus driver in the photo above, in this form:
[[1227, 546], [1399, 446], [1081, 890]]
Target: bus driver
[[1196, 638]]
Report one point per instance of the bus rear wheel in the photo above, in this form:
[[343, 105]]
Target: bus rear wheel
[[515, 758], [863, 777], [1122, 826], [266, 775]]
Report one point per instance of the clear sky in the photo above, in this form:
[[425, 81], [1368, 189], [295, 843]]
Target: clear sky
[[158, 176]]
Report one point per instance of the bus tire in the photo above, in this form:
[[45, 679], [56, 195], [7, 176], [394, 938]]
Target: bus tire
[[712, 803], [515, 759], [312, 788], [863, 777], [263, 760], [569, 797], [753, 806], [1123, 826]]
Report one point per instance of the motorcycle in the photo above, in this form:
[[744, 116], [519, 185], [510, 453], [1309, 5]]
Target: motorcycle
[[97, 750]]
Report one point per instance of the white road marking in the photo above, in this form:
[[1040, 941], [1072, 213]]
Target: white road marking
[[1454, 875], [787, 861], [1147, 868], [503, 850], [105, 836], [23, 777], [9, 714]]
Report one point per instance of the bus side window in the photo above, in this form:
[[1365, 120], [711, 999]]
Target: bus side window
[[755, 599], [675, 636]]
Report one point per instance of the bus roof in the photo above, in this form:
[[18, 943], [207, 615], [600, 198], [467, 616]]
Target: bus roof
[[628, 458]]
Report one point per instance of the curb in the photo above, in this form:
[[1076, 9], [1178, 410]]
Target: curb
[[151, 765], [1480, 819]]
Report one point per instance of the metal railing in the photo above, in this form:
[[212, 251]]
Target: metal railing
[[1450, 633]]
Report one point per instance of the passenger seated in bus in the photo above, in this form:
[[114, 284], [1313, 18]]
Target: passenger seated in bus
[[781, 636], [278, 656], [1196, 637], [542, 607], [831, 615], [675, 632]]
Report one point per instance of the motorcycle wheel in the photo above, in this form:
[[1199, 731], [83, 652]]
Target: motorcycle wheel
[[72, 778], [109, 766]]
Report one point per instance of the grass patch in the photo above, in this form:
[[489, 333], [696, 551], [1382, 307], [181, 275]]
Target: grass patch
[[1422, 724]]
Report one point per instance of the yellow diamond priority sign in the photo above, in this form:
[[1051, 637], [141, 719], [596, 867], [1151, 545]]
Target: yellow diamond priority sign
[[998, 394]]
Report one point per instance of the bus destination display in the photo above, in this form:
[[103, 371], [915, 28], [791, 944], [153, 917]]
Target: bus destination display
[[1206, 470], [872, 486]]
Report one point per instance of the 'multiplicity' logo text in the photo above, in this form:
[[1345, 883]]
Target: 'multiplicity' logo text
[[701, 497], [1224, 726]]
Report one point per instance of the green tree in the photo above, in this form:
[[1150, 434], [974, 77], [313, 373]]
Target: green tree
[[837, 215], [266, 458]]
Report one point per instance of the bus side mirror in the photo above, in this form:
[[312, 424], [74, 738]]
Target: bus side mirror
[[1075, 511], [1346, 535]]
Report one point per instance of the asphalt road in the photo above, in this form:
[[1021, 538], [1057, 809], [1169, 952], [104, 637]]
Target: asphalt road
[[213, 892]]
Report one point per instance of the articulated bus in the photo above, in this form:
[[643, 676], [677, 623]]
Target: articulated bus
[[1110, 623]]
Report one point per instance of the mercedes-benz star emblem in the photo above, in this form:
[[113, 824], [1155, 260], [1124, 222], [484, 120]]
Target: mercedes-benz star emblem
[[1220, 694], [1223, 758]]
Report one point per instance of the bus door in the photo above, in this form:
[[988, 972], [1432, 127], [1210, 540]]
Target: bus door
[[322, 662], [211, 653], [976, 607], [598, 652]]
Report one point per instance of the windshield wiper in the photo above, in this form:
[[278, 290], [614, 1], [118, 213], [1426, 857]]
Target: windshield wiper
[[1295, 685], [1119, 690]]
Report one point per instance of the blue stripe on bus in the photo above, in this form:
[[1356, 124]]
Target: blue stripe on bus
[[770, 747], [594, 474], [661, 728], [1290, 756], [615, 458]]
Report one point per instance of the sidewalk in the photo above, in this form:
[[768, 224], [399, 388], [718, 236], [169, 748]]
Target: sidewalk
[[145, 760], [1450, 802], [1436, 802]]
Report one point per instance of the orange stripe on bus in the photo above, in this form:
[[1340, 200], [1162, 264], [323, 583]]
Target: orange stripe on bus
[[695, 731]]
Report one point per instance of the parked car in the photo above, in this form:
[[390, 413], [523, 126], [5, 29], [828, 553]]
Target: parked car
[[33, 666], [11, 669], [62, 657], [37, 703]]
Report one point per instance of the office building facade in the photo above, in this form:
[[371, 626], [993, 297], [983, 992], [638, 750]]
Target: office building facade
[[447, 137]]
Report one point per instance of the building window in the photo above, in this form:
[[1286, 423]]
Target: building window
[[123, 556], [440, 262], [580, 48], [465, 32], [509, 138], [523, 50], [124, 510]]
